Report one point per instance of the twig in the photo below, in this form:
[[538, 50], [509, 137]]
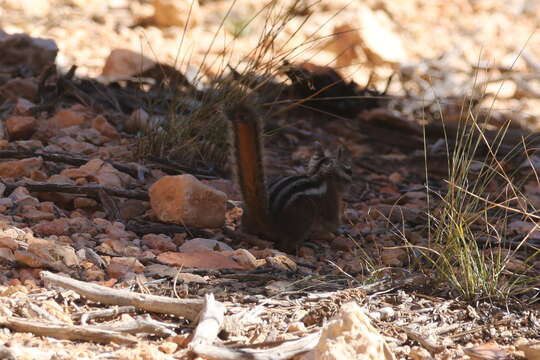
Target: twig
[[105, 313], [89, 189], [210, 321], [67, 332], [140, 325], [187, 308], [287, 350]]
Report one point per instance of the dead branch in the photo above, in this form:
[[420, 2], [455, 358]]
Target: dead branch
[[284, 351], [186, 308], [66, 332], [105, 313], [89, 189], [210, 321], [140, 325]]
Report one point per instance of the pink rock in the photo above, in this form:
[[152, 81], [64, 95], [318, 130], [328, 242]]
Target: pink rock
[[121, 266], [131, 208], [104, 127], [55, 227], [184, 200], [6, 256], [200, 244], [8, 242], [106, 174], [29, 259], [21, 197], [20, 168], [18, 87], [159, 242], [34, 215], [122, 63], [202, 260], [20, 127], [84, 203], [176, 13], [67, 117], [22, 106], [137, 121], [71, 145]]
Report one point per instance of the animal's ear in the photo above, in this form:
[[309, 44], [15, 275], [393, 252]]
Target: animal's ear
[[316, 158]]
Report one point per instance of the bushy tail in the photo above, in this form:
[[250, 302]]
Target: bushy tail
[[247, 155]]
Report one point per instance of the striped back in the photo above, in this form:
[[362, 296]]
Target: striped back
[[323, 172]]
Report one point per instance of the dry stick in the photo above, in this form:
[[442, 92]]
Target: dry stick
[[105, 313], [133, 170], [186, 308], [287, 350], [67, 332], [140, 325], [90, 189], [210, 321], [208, 328]]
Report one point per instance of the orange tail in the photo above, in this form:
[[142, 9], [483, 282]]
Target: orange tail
[[247, 137]]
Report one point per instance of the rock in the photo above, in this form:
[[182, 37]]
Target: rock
[[8, 242], [34, 215], [21, 50], [73, 146], [393, 257], [344, 44], [202, 260], [21, 197], [19, 88], [104, 127], [137, 121], [131, 208], [344, 243], [29, 259], [20, 168], [297, 326], [168, 347], [22, 106], [159, 242], [30, 8], [20, 127], [6, 256], [106, 174], [66, 118], [121, 266], [200, 244], [55, 227], [246, 259], [176, 12], [418, 353], [531, 349], [122, 64], [27, 145], [52, 251], [350, 335], [184, 200], [378, 39], [84, 203]]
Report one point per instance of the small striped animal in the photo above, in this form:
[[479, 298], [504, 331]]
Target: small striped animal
[[289, 208]]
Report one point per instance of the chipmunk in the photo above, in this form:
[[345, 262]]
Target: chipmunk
[[289, 208]]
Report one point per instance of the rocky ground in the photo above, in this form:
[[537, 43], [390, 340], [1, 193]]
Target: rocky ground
[[90, 186]]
